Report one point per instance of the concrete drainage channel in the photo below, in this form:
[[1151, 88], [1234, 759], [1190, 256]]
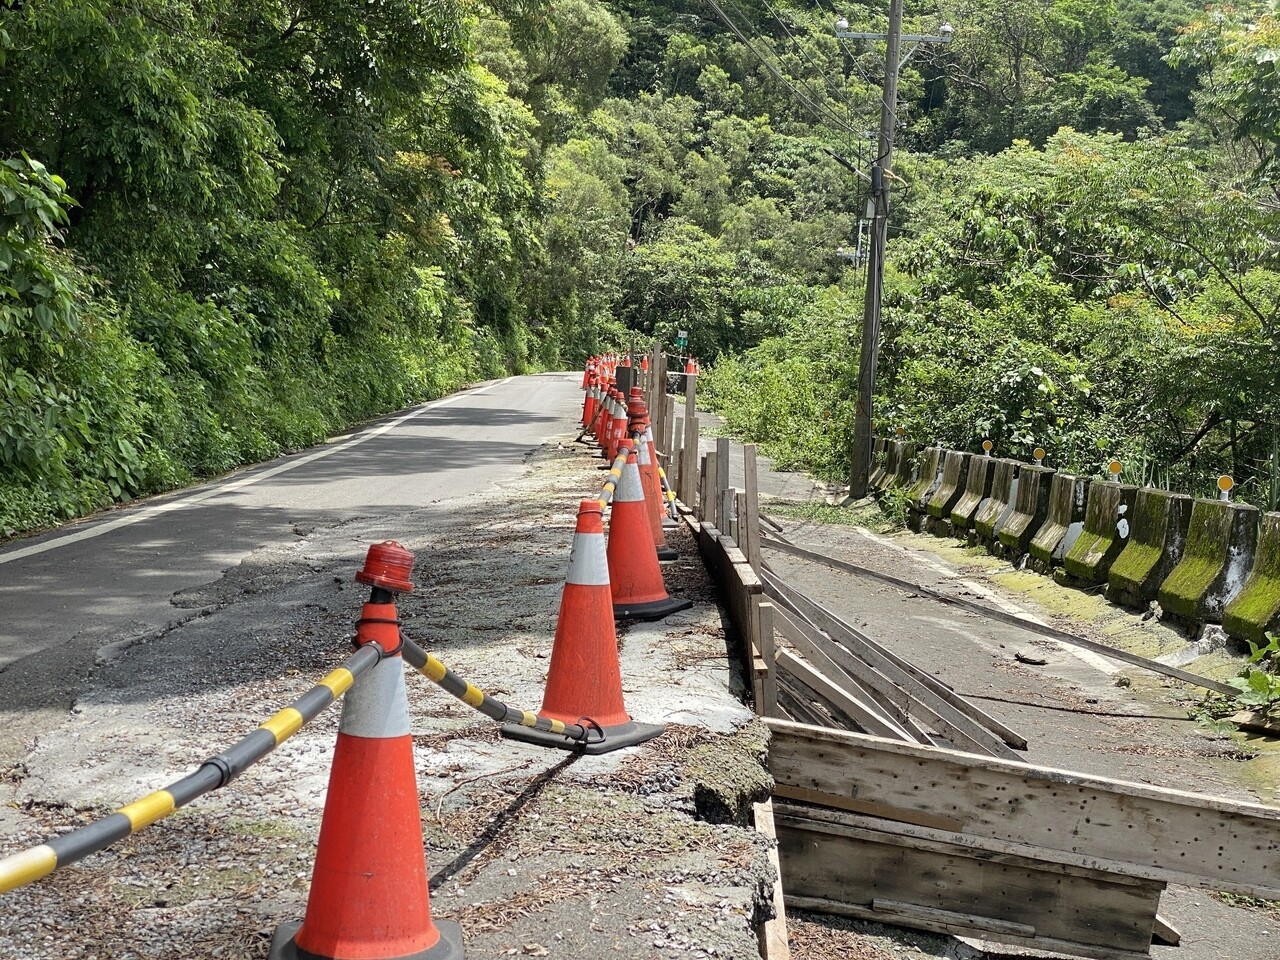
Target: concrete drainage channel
[[645, 852]]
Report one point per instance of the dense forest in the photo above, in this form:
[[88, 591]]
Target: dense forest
[[232, 229]]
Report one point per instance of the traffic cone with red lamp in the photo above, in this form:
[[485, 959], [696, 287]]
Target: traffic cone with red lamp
[[584, 682], [634, 574], [369, 898]]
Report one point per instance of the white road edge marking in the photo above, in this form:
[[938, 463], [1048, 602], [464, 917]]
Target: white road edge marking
[[145, 513], [1095, 660]]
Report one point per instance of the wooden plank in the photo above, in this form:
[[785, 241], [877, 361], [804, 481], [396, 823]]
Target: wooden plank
[[1166, 933], [867, 864], [895, 666], [765, 623], [773, 933], [809, 702], [837, 908], [898, 689], [800, 638], [786, 792], [740, 523], [954, 716], [751, 489], [1169, 836], [991, 613], [862, 711], [669, 435], [895, 911], [794, 700]]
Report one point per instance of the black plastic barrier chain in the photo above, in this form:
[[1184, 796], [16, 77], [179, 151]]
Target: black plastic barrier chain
[[20, 869], [473, 696]]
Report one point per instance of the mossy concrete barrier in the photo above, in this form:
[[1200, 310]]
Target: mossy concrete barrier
[[1156, 542], [955, 471], [879, 457], [1221, 541], [1105, 532], [1030, 507], [1256, 608], [993, 511], [904, 471], [977, 487], [881, 479], [1062, 523], [930, 475]]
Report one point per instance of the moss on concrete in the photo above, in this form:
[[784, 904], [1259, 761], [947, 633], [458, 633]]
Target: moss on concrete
[[976, 488], [1220, 539], [1063, 512], [1256, 609], [1101, 540], [1159, 535], [1003, 489], [955, 471], [1030, 508]]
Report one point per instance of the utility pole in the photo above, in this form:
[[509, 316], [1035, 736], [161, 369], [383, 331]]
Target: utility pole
[[881, 172]]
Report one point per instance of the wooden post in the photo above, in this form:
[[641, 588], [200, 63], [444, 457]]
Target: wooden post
[[690, 459], [675, 463], [722, 478], [740, 520], [751, 521], [773, 933], [724, 513], [668, 424], [764, 625], [707, 508]]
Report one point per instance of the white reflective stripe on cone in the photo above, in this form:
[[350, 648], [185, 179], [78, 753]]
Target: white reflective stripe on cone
[[642, 453], [588, 561], [375, 706], [629, 489]]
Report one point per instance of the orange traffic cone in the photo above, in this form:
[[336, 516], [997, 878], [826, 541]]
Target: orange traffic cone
[[584, 684], [649, 481], [369, 898], [634, 575], [589, 400]]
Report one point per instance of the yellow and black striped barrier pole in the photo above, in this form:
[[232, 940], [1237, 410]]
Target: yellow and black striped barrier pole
[[615, 473], [494, 709], [26, 866]]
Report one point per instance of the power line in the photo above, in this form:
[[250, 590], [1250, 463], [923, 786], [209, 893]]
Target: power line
[[821, 112]]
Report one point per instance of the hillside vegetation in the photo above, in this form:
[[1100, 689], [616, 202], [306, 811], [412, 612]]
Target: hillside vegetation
[[231, 229]]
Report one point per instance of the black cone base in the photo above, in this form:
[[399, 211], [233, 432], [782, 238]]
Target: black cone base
[[448, 948], [653, 610], [615, 738], [667, 553]]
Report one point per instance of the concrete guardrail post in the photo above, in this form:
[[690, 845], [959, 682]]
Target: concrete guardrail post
[[1030, 507], [1159, 536], [993, 511], [1106, 532], [1221, 541], [977, 487], [1256, 608], [918, 495], [1062, 524], [955, 471]]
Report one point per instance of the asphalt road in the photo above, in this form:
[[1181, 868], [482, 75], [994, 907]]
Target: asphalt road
[[111, 578]]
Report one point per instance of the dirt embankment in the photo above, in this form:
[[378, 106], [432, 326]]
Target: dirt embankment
[[641, 853]]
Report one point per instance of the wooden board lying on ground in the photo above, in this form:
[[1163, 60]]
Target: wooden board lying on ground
[[870, 665], [1072, 818], [1115, 653], [926, 690], [835, 862]]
